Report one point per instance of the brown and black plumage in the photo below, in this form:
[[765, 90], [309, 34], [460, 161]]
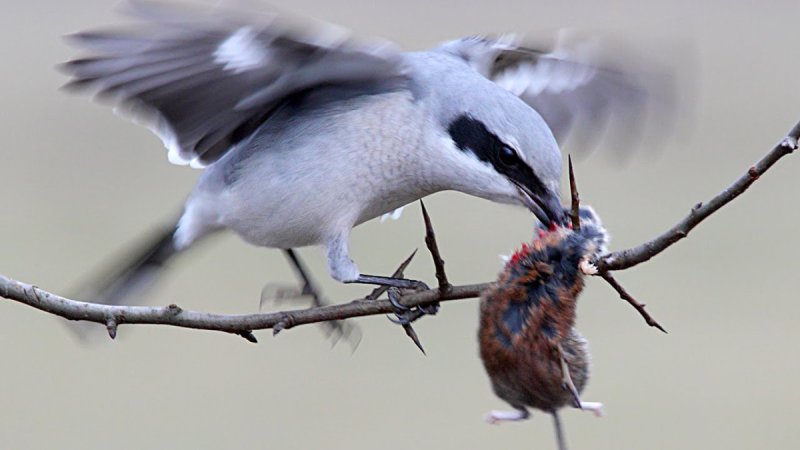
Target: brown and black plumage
[[531, 351]]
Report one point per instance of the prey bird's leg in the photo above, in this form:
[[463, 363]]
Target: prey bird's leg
[[595, 408], [566, 379], [495, 417]]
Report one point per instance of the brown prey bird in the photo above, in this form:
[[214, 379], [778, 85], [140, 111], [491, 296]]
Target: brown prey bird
[[531, 351]]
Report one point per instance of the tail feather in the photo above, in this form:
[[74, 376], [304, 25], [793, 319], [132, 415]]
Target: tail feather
[[133, 273]]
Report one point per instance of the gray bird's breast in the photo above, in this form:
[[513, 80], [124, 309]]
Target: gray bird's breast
[[308, 176]]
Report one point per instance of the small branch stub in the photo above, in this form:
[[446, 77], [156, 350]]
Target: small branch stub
[[111, 327]]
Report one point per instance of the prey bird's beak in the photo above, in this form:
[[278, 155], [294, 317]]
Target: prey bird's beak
[[546, 208]]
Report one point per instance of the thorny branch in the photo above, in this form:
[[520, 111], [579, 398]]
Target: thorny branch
[[243, 325]]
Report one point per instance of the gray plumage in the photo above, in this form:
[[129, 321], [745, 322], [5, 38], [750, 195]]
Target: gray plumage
[[304, 135]]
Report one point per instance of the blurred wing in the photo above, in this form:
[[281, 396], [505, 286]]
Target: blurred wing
[[205, 80], [572, 87]]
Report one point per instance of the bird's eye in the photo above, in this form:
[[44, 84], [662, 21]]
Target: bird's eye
[[508, 157]]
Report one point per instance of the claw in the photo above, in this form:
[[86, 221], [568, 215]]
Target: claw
[[396, 302], [587, 268], [405, 316], [429, 310]]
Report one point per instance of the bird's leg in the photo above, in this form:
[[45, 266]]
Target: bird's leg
[[595, 408], [307, 287], [566, 379], [495, 417], [343, 268], [336, 328]]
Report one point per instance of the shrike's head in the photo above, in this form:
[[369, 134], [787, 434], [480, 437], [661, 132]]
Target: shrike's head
[[515, 153]]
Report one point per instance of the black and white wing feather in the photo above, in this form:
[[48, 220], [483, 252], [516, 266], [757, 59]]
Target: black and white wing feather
[[572, 87], [205, 80]]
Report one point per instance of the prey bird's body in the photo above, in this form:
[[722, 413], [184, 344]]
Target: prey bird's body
[[534, 356], [304, 136]]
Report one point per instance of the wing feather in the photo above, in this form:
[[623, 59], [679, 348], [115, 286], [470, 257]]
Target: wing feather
[[202, 79]]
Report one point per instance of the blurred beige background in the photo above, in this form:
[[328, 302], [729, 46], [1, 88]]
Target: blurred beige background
[[79, 184]]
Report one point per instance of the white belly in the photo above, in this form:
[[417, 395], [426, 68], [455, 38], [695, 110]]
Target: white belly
[[320, 177]]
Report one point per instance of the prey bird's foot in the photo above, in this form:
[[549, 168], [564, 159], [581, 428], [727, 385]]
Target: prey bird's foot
[[587, 268], [595, 408], [495, 417], [400, 283]]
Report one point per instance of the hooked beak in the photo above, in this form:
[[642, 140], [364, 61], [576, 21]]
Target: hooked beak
[[546, 208]]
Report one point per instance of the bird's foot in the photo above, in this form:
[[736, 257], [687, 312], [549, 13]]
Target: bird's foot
[[405, 316], [400, 283], [595, 408], [495, 417], [587, 268]]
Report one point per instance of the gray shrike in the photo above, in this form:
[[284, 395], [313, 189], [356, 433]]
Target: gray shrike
[[302, 135]]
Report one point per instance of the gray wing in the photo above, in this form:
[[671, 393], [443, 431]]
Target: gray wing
[[573, 88], [205, 80]]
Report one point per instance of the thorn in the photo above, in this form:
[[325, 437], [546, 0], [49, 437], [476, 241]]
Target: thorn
[[173, 309], [623, 294], [248, 335], [405, 321], [576, 200], [284, 324], [413, 335], [433, 248], [111, 327], [398, 273]]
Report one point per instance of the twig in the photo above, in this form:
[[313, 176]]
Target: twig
[[243, 325], [576, 225], [231, 323], [629, 298], [628, 258]]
